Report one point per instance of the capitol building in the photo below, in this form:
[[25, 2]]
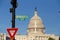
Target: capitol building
[[35, 31]]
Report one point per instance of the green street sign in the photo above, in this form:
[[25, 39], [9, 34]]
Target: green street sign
[[22, 18]]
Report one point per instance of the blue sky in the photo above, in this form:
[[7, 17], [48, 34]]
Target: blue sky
[[48, 10]]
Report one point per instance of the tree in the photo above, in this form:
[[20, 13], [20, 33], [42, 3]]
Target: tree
[[51, 38]]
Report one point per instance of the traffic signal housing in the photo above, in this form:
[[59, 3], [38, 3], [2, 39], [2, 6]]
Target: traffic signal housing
[[14, 3]]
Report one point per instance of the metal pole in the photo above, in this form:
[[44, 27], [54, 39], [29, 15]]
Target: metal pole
[[12, 10], [13, 18]]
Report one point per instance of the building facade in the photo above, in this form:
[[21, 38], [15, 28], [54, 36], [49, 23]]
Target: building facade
[[36, 30], [2, 36]]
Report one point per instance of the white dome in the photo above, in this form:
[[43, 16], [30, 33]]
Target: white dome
[[36, 21]]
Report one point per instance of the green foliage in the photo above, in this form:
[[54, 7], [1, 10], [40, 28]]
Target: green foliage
[[51, 38]]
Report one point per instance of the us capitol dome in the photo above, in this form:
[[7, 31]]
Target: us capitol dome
[[36, 24]]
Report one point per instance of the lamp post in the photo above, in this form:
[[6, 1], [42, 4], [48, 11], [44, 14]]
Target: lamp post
[[12, 10]]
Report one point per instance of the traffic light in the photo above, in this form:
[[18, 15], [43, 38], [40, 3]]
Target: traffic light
[[14, 3], [11, 10]]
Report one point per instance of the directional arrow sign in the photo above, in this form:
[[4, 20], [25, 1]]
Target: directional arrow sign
[[12, 32]]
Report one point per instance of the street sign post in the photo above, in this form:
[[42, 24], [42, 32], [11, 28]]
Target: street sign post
[[12, 32], [12, 10]]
